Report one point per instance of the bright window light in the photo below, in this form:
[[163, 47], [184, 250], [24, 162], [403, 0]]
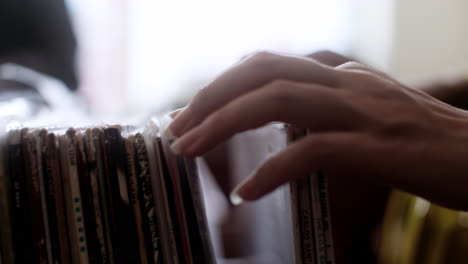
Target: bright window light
[[172, 48]]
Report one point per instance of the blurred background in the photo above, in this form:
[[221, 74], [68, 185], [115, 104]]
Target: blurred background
[[145, 54], [157, 54], [125, 57]]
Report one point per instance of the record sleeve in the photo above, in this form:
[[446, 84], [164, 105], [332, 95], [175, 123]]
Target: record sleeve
[[38, 139], [56, 205], [202, 239], [99, 188], [295, 206], [173, 176], [306, 221], [6, 239], [184, 172], [74, 206], [33, 189], [161, 188], [302, 211], [322, 222], [129, 150], [150, 225], [295, 215], [47, 199], [21, 213], [87, 200], [122, 223], [268, 221]]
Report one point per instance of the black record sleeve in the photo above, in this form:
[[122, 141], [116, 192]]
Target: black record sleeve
[[121, 214], [33, 187], [6, 239], [21, 213]]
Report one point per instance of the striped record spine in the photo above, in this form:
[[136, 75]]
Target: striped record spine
[[322, 223], [73, 197]]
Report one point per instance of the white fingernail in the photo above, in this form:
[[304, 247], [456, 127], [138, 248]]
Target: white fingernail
[[175, 147], [235, 197], [174, 113]]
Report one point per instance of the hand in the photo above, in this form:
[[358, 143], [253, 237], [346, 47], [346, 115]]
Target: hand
[[366, 126]]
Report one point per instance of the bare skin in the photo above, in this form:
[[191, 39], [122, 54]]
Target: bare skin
[[367, 125], [373, 134]]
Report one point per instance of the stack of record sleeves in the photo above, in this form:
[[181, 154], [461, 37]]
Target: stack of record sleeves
[[311, 215], [99, 195], [117, 194]]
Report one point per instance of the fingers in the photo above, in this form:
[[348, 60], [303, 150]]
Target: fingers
[[305, 156], [252, 73], [304, 105]]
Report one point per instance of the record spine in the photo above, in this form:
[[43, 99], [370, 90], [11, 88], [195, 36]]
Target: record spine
[[21, 214], [6, 239], [48, 198], [184, 250], [56, 196], [296, 222], [172, 236], [77, 232], [90, 153], [123, 227], [129, 151], [198, 204], [291, 134], [33, 188], [306, 220], [97, 144], [39, 137], [322, 222], [161, 187], [89, 217], [150, 223]]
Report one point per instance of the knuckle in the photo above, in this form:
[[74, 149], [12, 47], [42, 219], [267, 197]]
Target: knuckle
[[354, 72], [359, 75], [351, 65], [263, 58], [329, 57]]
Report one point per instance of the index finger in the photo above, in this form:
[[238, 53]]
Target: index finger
[[253, 72]]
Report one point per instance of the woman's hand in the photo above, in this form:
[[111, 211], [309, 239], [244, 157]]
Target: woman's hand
[[366, 126]]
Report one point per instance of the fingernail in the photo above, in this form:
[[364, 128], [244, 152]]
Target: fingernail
[[235, 198], [175, 147], [169, 134]]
